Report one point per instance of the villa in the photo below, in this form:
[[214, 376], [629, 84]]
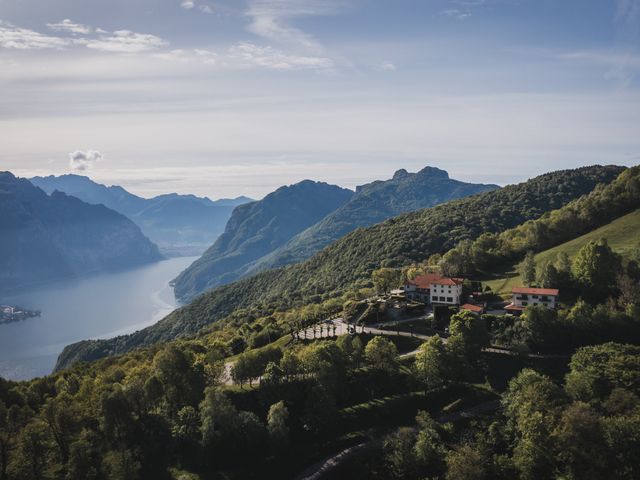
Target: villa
[[524, 297], [434, 289]]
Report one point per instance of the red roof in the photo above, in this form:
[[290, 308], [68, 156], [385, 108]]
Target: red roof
[[511, 306], [536, 291], [472, 308], [448, 281], [425, 281]]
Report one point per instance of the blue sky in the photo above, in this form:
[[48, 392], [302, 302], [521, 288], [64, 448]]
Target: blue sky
[[238, 97]]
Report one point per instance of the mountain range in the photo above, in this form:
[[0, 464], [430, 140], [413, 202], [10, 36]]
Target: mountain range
[[346, 265], [182, 224], [262, 236], [48, 237]]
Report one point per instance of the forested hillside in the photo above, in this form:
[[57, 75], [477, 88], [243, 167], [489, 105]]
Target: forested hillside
[[258, 228], [348, 263]]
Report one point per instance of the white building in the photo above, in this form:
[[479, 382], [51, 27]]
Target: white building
[[524, 297], [446, 291]]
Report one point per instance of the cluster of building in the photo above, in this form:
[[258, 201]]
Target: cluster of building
[[438, 290]]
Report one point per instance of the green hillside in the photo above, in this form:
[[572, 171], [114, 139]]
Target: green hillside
[[348, 263], [623, 236]]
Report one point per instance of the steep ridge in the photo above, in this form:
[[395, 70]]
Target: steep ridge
[[173, 221], [44, 238], [372, 203], [258, 228], [347, 263]]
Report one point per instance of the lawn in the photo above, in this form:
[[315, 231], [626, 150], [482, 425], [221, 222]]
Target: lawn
[[623, 235]]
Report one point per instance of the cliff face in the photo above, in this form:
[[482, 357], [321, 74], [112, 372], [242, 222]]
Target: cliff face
[[44, 238], [257, 229]]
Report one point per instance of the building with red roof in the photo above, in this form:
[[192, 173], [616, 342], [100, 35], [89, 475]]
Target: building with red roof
[[433, 288], [475, 309], [524, 297]]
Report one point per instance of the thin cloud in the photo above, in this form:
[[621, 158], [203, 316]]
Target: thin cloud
[[126, 41], [67, 25], [249, 54], [24, 39], [456, 13], [272, 19]]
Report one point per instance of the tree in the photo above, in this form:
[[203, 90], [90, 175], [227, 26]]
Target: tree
[[563, 268], [182, 383], [399, 454], [528, 269], [596, 268], [31, 455], [277, 425], [465, 463], [541, 327], [629, 288], [217, 417], [382, 354], [470, 332], [61, 415], [548, 277], [12, 420], [581, 443], [386, 279], [431, 363], [429, 447], [532, 405], [595, 371]]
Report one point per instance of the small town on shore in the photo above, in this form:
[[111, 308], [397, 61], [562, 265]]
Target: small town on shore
[[10, 314]]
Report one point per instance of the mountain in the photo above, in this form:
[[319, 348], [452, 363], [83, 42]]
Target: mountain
[[175, 222], [347, 264], [258, 228], [47, 237], [372, 203]]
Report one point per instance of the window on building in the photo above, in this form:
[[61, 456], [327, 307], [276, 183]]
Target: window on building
[[450, 299]]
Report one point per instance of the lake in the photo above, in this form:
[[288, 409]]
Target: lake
[[99, 306]]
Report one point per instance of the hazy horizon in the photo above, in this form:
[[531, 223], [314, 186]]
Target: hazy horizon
[[226, 98]]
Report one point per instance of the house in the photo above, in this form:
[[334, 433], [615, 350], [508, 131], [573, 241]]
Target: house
[[475, 309], [524, 297], [434, 289]]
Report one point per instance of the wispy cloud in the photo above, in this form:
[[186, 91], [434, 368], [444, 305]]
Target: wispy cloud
[[67, 25], [456, 13], [126, 41], [273, 20], [268, 57], [24, 39]]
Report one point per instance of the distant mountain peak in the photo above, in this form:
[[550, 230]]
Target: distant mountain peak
[[433, 172], [402, 173]]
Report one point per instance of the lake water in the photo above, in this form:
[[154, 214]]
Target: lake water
[[99, 306]]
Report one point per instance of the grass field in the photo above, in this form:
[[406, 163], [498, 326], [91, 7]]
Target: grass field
[[623, 235]]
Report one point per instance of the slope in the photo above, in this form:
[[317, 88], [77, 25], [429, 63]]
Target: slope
[[373, 203], [347, 263], [257, 228], [622, 234]]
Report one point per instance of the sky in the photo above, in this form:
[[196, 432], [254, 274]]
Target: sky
[[237, 97]]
